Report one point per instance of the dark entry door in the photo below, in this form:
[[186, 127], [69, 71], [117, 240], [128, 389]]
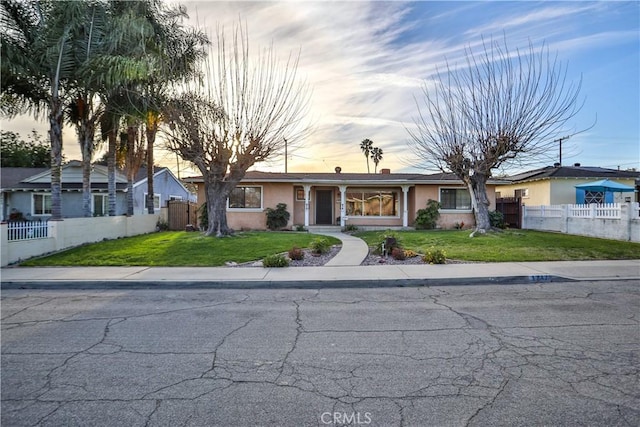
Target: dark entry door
[[324, 200]]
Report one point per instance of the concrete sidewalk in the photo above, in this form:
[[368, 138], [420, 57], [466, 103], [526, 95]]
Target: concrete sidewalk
[[311, 277]]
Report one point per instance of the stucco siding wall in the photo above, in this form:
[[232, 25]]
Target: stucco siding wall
[[538, 192], [256, 219], [448, 218]]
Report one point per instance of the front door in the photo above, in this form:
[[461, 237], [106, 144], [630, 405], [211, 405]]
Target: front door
[[324, 202]]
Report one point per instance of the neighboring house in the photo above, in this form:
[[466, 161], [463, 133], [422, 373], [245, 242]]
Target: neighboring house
[[165, 187], [27, 191], [555, 185], [360, 199]]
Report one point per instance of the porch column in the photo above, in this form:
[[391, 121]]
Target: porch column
[[343, 205], [405, 205], [307, 191]]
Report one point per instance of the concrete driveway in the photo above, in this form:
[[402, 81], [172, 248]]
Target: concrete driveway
[[545, 354]]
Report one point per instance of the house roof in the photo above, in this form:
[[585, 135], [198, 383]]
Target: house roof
[[590, 172], [352, 178], [12, 176]]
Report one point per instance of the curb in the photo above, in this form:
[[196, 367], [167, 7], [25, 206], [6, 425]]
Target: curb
[[302, 284]]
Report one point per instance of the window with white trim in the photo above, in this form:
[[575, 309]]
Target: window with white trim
[[156, 201], [372, 203], [246, 198], [455, 199], [100, 204], [41, 204]]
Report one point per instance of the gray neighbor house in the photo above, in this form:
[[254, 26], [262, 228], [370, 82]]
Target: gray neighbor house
[[25, 193]]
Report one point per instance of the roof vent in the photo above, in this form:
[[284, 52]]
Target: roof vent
[[338, 169], [577, 165], [385, 171]]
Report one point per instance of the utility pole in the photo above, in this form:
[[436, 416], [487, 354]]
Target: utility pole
[[285, 155], [560, 141]]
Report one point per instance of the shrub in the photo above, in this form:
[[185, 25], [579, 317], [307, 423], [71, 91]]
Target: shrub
[[203, 216], [277, 260], [278, 217], [408, 253], [398, 254], [296, 254], [435, 256], [162, 225], [319, 246], [350, 227], [496, 219], [300, 227], [426, 218]]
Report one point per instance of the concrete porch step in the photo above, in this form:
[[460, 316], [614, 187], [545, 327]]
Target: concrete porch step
[[324, 229]]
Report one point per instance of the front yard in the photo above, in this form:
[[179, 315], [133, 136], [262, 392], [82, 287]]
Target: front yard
[[508, 245], [192, 249], [179, 248]]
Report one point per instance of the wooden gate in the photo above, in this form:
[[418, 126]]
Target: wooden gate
[[511, 208], [182, 213]]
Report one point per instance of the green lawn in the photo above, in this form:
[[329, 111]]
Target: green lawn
[[179, 249], [509, 245]]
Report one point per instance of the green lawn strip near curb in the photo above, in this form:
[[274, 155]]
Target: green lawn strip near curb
[[178, 248], [508, 245]]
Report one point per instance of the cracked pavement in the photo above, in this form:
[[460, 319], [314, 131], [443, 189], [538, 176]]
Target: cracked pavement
[[538, 354]]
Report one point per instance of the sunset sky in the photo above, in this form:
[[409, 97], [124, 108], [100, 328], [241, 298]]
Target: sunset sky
[[367, 62]]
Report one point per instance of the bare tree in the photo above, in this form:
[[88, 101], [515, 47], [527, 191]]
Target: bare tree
[[501, 107], [243, 116]]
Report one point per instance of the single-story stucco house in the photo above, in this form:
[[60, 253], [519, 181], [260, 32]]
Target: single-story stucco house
[[382, 200], [26, 192], [556, 185]]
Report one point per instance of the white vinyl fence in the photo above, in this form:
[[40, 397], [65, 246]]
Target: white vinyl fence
[[23, 240], [609, 220]]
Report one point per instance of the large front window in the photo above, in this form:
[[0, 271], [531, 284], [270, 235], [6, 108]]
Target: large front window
[[41, 204], [372, 203], [246, 198], [455, 199]]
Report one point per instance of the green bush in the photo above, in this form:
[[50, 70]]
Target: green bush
[[162, 225], [319, 246], [296, 254], [277, 260], [350, 227], [496, 219], [300, 227], [278, 217], [203, 216], [426, 218], [435, 256]]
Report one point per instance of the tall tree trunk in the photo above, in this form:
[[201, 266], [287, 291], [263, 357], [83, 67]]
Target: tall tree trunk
[[86, 134], [111, 170], [152, 130], [55, 134], [131, 138], [477, 186], [217, 193]]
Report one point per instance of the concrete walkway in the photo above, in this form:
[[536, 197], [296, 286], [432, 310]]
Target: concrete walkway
[[353, 252]]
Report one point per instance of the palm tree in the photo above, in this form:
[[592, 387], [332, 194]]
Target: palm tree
[[38, 69], [376, 156], [366, 146]]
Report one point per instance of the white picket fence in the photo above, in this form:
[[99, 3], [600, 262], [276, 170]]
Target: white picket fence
[[608, 220], [28, 230]]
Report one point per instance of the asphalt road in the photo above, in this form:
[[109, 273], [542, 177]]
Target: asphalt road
[[545, 354]]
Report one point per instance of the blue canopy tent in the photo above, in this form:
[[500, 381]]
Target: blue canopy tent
[[604, 186]]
